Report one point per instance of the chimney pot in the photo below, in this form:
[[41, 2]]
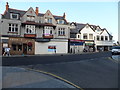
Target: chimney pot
[[64, 15], [37, 11], [7, 6]]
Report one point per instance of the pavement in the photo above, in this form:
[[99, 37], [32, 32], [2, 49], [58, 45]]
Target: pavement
[[15, 77], [60, 54]]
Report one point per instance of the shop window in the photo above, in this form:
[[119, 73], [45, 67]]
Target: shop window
[[19, 47], [14, 47], [29, 48]]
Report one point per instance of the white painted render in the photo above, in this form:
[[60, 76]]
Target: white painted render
[[42, 47], [87, 30]]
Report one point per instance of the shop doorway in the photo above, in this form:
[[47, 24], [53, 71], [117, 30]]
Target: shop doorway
[[24, 48]]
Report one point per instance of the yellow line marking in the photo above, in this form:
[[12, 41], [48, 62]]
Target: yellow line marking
[[56, 77], [113, 60]]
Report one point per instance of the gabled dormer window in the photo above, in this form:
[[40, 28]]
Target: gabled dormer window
[[30, 18], [14, 16], [48, 20], [60, 21]]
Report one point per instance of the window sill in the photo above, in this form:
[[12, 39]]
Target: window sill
[[13, 32], [61, 35]]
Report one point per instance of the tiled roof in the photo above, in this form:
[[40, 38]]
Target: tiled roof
[[22, 12], [78, 28]]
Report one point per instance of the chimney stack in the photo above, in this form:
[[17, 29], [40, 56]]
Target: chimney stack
[[37, 11], [7, 6], [64, 16]]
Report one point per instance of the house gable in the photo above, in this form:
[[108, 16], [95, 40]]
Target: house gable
[[87, 29], [29, 12], [105, 33], [48, 14]]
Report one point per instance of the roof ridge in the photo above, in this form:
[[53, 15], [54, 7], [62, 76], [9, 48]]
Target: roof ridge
[[17, 9], [57, 16]]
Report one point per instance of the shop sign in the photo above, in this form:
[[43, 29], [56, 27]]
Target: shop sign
[[51, 48]]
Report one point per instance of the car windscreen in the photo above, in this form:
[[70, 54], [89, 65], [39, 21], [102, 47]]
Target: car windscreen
[[115, 47]]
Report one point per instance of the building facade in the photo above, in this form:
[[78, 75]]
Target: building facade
[[32, 32], [34, 29], [95, 38]]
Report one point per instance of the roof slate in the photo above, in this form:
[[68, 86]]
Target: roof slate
[[78, 28]]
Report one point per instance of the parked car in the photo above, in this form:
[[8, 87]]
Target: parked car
[[115, 50]]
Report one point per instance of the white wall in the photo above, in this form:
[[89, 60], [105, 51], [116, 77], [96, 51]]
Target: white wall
[[87, 30], [42, 47]]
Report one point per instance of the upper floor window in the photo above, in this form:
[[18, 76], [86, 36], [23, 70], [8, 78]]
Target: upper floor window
[[30, 18], [48, 20], [110, 38], [98, 38], [48, 30], [13, 27], [60, 21], [102, 38], [106, 38], [30, 29], [90, 36], [85, 36], [61, 31], [78, 36], [14, 16]]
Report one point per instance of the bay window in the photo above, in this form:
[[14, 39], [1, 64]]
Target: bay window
[[30, 29]]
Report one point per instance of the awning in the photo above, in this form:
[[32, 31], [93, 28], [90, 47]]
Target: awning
[[42, 40], [89, 44]]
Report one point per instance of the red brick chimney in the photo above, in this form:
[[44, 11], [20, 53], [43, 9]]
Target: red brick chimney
[[7, 6], [64, 15], [37, 11]]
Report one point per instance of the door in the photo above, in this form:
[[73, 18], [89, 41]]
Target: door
[[24, 48]]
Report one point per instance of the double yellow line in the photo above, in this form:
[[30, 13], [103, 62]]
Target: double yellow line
[[55, 76]]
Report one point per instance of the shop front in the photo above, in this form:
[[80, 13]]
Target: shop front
[[89, 46], [51, 46], [76, 46], [21, 46]]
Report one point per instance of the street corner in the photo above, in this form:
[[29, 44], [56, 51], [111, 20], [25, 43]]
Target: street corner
[[15, 77]]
